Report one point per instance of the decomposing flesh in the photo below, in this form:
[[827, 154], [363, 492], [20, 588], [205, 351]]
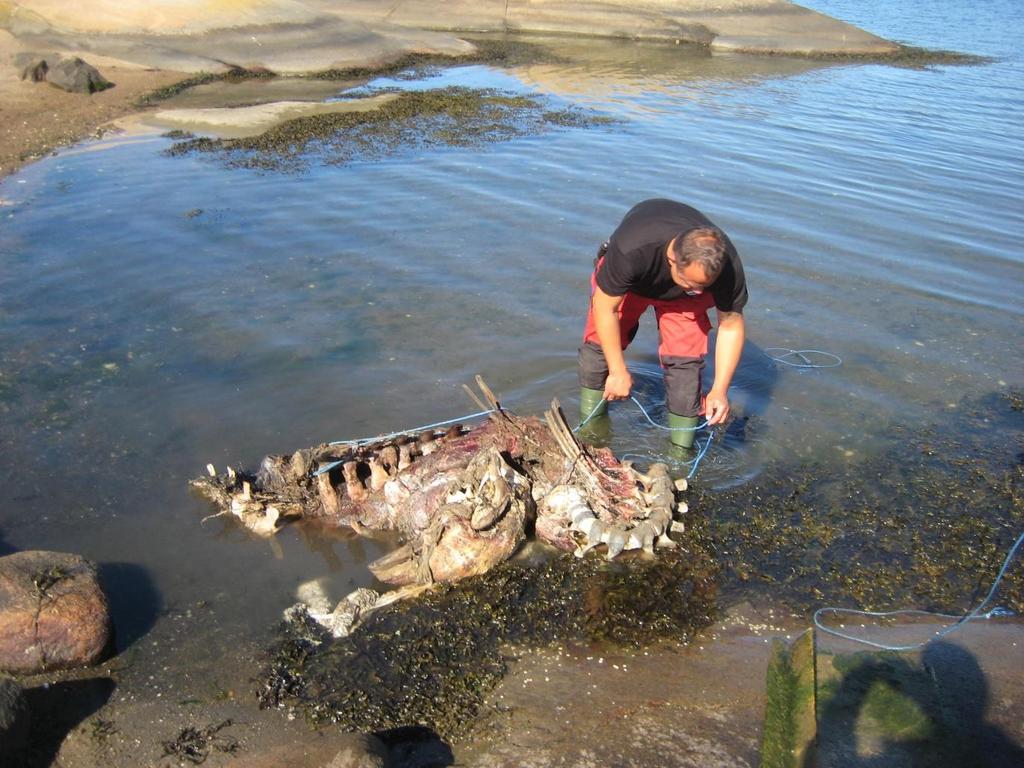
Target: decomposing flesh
[[462, 500]]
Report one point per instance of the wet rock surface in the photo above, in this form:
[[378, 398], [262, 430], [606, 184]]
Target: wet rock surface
[[53, 613]]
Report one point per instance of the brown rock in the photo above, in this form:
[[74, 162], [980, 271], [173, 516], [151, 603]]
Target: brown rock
[[53, 613]]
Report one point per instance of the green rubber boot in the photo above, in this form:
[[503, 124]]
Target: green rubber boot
[[589, 399], [683, 429]]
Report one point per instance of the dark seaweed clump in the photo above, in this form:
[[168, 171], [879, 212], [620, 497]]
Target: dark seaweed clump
[[433, 660], [453, 116], [233, 75], [196, 744], [926, 523]]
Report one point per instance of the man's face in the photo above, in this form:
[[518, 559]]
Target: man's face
[[692, 278]]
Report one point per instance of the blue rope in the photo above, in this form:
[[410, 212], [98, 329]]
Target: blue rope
[[960, 620], [367, 440], [692, 463], [834, 361]]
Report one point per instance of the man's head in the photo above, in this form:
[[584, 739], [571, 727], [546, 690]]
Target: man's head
[[696, 258]]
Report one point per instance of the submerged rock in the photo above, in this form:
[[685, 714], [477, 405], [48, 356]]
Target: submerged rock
[[53, 613]]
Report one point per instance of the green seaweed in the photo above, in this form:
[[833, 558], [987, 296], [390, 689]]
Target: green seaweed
[[233, 75], [453, 116], [789, 722], [433, 660], [925, 523]]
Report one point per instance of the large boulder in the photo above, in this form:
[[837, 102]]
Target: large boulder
[[74, 75], [53, 613]]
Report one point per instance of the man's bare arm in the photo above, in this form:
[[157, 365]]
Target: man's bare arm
[[606, 321], [728, 348]]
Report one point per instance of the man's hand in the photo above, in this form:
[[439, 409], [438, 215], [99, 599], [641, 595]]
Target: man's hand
[[716, 407], [617, 386]]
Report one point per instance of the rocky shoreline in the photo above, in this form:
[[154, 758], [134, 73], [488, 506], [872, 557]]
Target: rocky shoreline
[[149, 56]]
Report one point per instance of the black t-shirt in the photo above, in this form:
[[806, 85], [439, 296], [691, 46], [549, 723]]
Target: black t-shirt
[[636, 261]]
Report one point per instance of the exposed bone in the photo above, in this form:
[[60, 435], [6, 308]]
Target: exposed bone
[[354, 486], [676, 527], [595, 531], [232, 477], [378, 475], [681, 484], [489, 396], [404, 456], [262, 522], [470, 506], [329, 497], [389, 457], [615, 537], [426, 442], [660, 491], [480, 403], [211, 470]]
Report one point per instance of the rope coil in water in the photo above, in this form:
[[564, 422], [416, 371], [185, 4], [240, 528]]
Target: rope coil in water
[[692, 463], [802, 359], [976, 613]]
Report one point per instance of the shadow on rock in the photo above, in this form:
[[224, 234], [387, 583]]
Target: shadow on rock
[[887, 710], [416, 746], [57, 708], [134, 601]]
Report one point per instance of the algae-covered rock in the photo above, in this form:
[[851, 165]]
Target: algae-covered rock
[[453, 116]]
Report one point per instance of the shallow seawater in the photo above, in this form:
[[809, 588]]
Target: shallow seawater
[[159, 313]]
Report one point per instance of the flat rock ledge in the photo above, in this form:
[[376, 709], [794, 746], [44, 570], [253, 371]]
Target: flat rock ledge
[[53, 613], [292, 37]]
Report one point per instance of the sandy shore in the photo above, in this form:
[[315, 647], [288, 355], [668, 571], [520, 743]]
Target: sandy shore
[[37, 118]]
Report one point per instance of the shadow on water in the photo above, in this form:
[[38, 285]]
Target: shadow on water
[[729, 460], [55, 709], [911, 714], [135, 602]]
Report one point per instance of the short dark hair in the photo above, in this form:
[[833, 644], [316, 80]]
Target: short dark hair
[[701, 245]]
